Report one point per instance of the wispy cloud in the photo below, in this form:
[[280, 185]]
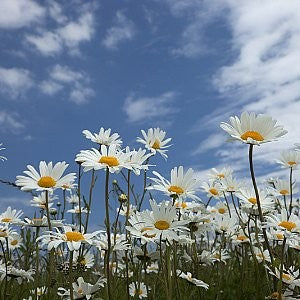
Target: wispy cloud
[[20, 13], [141, 109], [63, 77], [198, 15], [15, 81], [67, 36], [10, 122], [264, 76], [122, 30]]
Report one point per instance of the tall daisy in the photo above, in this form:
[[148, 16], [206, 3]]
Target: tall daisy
[[73, 239], [289, 159], [182, 184], [108, 157], [154, 140], [162, 222], [253, 129], [48, 178], [104, 137]]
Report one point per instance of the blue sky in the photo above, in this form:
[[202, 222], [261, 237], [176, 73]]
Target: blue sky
[[184, 66]]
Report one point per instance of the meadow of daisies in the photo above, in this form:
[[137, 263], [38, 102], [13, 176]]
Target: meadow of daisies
[[240, 241]]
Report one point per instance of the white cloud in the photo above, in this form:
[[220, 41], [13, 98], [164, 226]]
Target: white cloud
[[19, 13], [213, 141], [199, 15], [65, 74], [67, 36], [63, 77], [10, 121], [48, 43], [56, 12], [264, 75], [50, 87], [75, 33], [146, 108], [123, 29], [15, 81], [81, 95]]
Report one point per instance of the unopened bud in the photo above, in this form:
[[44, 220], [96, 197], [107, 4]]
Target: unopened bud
[[123, 198]]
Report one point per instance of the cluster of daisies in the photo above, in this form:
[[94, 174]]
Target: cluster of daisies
[[163, 240]]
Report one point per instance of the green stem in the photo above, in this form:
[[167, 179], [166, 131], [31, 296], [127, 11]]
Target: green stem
[[108, 235]]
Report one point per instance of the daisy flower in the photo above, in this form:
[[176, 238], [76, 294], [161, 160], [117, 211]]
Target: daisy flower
[[282, 188], [108, 157], [182, 184], [86, 260], [219, 175], [289, 159], [15, 241], [284, 222], [137, 159], [40, 200], [72, 238], [214, 190], [73, 199], [289, 277], [82, 289], [10, 216], [154, 140], [42, 222], [104, 137], [3, 158], [162, 221], [249, 201], [49, 178], [118, 242], [231, 184], [189, 278], [138, 290], [76, 210], [253, 129], [138, 228], [261, 256]]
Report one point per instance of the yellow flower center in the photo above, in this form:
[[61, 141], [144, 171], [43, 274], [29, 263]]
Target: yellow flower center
[[83, 261], [156, 144], [221, 210], [260, 255], [254, 135], [80, 291], [111, 161], [292, 163], [184, 205], [175, 189], [217, 256], [162, 225], [138, 292], [221, 176], [146, 234], [286, 276], [241, 238], [14, 242], [74, 236], [275, 295], [3, 233], [6, 220], [252, 200], [283, 192], [287, 225], [46, 182], [279, 236], [214, 191]]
